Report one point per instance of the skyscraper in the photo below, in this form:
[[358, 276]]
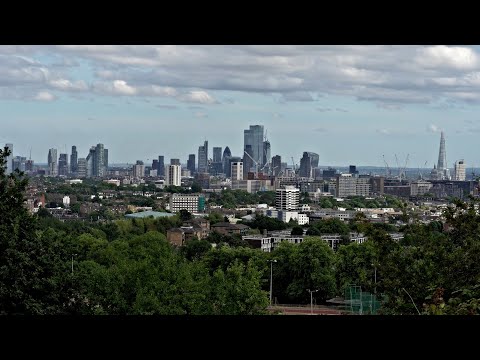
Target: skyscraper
[[90, 162], [254, 138], [441, 172], [82, 167], [460, 170], [173, 175], [138, 170], [174, 161], [155, 165], [74, 160], [63, 165], [105, 160], [217, 154], [227, 154], [276, 165], [203, 158], [191, 164], [99, 164], [266, 153], [52, 162], [161, 166], [248, 164]]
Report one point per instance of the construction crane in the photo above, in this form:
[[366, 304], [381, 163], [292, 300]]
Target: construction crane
[[256, 163], [387, 169], [404, 170]]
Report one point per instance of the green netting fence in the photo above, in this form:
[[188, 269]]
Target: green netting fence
[[361, 302]]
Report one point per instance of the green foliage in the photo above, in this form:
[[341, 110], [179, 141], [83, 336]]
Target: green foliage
[[185, 215], [330, 226], [266, 223], [297, 230]]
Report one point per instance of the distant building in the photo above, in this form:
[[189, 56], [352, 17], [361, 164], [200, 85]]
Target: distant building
[[308, 163], [346, 185], [161, 166], [138, 169], [193, 203], [420, 187], [226, 228], [174, 161], [276, 165], [253, 137], [52, 162], [460, 170], [352, 169], [74, 160], [266, 153], [237, 170], [191, 163], [287, 198], [173, 175], [155, 166], [63, 165], [329, 173], [203, 158], [82, 167], [377, 185], [441, 172], [227, 154], [217, 154], [248, 163]]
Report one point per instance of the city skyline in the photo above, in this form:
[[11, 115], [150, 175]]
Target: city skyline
[[349, 104]]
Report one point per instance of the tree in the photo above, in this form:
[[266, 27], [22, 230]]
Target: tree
[[297, 230], [196, 188], [185, 215]]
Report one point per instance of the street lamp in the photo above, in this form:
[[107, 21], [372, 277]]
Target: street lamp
[[271, 278], [311, 299], [72, 261]]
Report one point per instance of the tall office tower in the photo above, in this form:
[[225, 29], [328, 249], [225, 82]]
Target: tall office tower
[[29, 165], [191, 164], [82, 168], [173, 175], [314, 158], [217, 154], [276, 165], [63, 165], [138, 169], [254, 138], [442, 154], [19, 163], [155, 165], [237, 170], [90, 160], [248, 164], [161, 166], [266, 153], [203, 158], [287, 198], [352, 169], [174, 161], [74, 160], [305, 166], [99, 163], [105, 160], [9, 159], [460, 170], [227, 154], [52, 162]]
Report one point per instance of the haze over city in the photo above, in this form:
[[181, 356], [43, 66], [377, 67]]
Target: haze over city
[[349, 104]]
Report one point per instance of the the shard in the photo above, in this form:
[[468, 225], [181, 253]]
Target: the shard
[[442, 155]]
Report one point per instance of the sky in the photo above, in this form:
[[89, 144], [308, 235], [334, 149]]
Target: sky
[[349, 104]]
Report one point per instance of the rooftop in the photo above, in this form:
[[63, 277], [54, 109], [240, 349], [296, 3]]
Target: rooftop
[[145, 214]]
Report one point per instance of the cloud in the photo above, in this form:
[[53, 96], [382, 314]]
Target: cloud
[[196, 107], [169, 107], [330, 109], [197, 96], [201, 115], [383, 131], [277, 115], [389, 76], [44, 96], [320, 129], [433, 128]]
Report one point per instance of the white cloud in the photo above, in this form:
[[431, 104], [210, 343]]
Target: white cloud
[[44, 96], [433, 128], [384, 131], [200, 114], [197, 96], [385, 75], [67, 85]]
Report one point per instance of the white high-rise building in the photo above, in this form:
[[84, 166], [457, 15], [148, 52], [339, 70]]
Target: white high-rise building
[[52, 162], [173, 175], [460, 170], [237, 170], [287, 198]]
